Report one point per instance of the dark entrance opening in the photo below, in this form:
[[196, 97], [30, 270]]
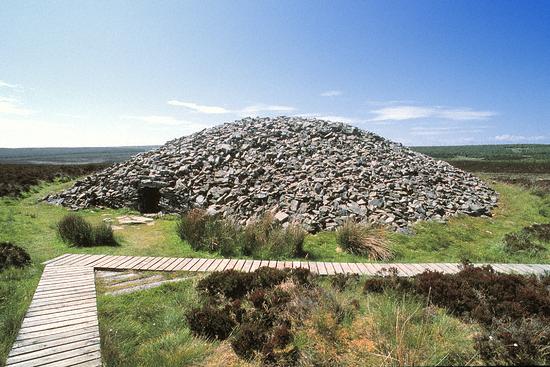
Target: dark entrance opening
[[149, 198]]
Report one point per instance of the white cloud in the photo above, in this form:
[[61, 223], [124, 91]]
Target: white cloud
[[334, 118], [248, 110], [331, 93], [199, 108], [12, 106], [513, 138], [4, 84], [407, 112], [255, 109]]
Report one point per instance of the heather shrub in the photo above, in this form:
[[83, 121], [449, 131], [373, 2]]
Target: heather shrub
[[364, 240], [210, 322], [529, 239], [11, 255], [76, 231], [523, 342], [230, 284], [249, 340], [483, 295]]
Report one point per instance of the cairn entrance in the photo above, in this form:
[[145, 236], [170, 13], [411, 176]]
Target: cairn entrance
[[149, 198]]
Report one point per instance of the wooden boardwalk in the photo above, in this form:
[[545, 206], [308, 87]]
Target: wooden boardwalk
[[61, 327], [108, 262]]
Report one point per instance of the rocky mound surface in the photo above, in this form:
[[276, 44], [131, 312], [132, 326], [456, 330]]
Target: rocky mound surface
[[315, 172]]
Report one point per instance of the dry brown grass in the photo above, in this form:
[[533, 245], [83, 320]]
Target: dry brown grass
[[364, 240]]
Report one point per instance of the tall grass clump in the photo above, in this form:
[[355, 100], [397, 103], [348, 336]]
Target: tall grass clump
[[364, 240], [210, 233], [76, 231], [264, 237]]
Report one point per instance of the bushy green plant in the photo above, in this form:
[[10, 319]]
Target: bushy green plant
[[364, 240], [76, 231], [104, 235], [11, 255]]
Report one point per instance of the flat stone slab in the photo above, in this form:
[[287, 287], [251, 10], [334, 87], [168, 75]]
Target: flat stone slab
[[133, 219]]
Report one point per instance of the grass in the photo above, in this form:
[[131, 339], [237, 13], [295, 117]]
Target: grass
[[31, 224], [148, 328]]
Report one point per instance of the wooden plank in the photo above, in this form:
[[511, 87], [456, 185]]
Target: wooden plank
[[59, 356], [190, 264], [180, 264], [54, 343], [206, 265], [160, 264], [69, 259], [167, 263], [53, 337], [32, 335], [322, 268], [153, 263], [338, 268], [239, 265], [355, 269], [255, 265], [313, 267], [124, 264], [346, 269], [231, 264], [35, 357], [173, 265], [198, 264], [55, 259]]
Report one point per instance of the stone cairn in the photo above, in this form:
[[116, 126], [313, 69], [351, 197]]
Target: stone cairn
[[313, 172]]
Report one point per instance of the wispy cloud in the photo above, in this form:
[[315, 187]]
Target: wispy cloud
[[12, 106], [408, 112], [248, 110], [4, 84], [255, 109], [445, 130], [158, 120], [515, 138], [331, 93], [198, 107], [334, 118]]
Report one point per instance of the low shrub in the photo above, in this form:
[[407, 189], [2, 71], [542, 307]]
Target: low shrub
[[522, 342], [287, 242], [104, 235], [528, 239], [12, 255], [230, 284], [483, 295], [75, 230], [388, 280], [210, 322], [249, 340], [364, 240]]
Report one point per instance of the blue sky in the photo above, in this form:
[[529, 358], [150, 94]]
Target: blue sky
[[103, 73]]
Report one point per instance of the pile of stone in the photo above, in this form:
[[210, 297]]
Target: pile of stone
[[310, 171]]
